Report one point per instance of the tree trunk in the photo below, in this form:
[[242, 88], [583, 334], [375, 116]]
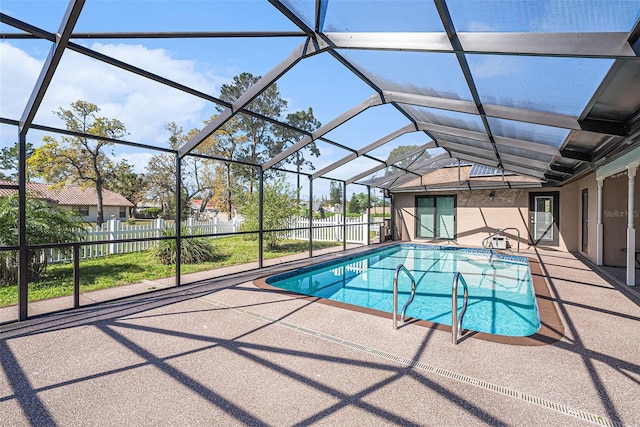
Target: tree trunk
[[100, 218], [229, 188]]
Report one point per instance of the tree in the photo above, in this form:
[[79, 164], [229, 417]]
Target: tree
[[279, 205], [224, 143], [405, 163], [358, 203], [257, 140], [46, 224], [197, 175], [286, 137], [76, 159], [335, 193], [128, 183], [9, 161]]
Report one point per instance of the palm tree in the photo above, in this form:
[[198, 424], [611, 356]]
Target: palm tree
[[46, 223]]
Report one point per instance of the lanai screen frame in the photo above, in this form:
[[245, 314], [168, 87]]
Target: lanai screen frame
[[615, 46]]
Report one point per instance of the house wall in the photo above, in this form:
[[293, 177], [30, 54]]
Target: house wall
[[108, 213], [615, 192], [477, 216]]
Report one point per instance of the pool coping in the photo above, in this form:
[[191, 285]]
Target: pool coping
[[551, 327]]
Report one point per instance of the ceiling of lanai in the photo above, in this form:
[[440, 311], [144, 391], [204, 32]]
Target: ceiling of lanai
[[543, 89]]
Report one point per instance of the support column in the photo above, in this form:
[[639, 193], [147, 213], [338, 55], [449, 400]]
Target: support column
[[600, 227], [23, 253], [310, 216], [178, 221], [631, 232], [261, 220]]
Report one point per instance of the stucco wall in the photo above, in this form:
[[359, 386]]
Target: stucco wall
[[590, 184], [477, 215], [108, 212], [614, 218]]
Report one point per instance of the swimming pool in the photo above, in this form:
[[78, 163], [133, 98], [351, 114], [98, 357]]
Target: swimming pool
[[501, 296]]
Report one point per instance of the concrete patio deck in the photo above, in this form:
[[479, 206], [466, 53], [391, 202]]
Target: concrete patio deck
[[224, 352]]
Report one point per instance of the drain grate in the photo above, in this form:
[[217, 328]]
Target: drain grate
[[486, 385], [563, 409]]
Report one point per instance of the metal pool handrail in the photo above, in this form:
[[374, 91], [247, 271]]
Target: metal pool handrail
[[456, 320], [500, 232], [399, 268]]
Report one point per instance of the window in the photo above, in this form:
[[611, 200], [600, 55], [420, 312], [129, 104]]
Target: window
[[436, 217], [123, 211], [82, 210]]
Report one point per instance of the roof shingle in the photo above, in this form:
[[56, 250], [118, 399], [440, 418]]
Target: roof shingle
[[68, 195]]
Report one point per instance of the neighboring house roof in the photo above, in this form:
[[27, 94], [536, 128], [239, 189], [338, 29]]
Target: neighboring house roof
[[71, 195], [196, 203]]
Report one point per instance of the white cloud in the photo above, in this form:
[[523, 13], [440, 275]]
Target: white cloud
[[18, 74], [138, 160], [142, 105], [494, 66], [478, 26]]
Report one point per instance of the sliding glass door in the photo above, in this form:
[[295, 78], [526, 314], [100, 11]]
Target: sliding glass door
[[436, 217]]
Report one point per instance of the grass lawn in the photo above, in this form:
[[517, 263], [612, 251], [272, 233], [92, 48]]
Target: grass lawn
[[118, 270]]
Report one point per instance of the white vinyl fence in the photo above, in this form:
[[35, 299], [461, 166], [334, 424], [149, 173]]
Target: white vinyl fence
[[331, 229], [327, 229]]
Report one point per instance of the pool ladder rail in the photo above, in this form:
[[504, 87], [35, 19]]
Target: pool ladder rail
[[400, 268], [456, 319]]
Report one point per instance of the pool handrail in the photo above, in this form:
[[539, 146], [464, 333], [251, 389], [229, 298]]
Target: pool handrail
[[500, 231], [456, 320], [400, 268]]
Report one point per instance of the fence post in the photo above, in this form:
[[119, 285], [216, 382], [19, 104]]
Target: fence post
[[215, 225], [190, 225], [114, 226], [159, 225]]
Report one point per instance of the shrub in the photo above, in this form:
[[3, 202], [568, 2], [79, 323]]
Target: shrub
[[45, 224], [279, 205], [193, 250], [149, 213]]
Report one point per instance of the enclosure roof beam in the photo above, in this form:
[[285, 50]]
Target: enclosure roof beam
[[50, 64], [564, 44], [535, 147], [370, 147], [308, 48], [473, 158], [449, 27], [524, 170], [377, 181], [496, 111], [165, 35], [499, 140], [467, 149], [390, 162], [453, 131], [322, 130]]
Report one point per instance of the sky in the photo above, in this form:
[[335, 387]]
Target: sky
[[320, 81]]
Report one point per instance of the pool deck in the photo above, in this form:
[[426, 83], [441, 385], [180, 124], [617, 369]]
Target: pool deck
[[224, 352]]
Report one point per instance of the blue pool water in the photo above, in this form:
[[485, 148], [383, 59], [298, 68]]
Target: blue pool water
[[501, 296]]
